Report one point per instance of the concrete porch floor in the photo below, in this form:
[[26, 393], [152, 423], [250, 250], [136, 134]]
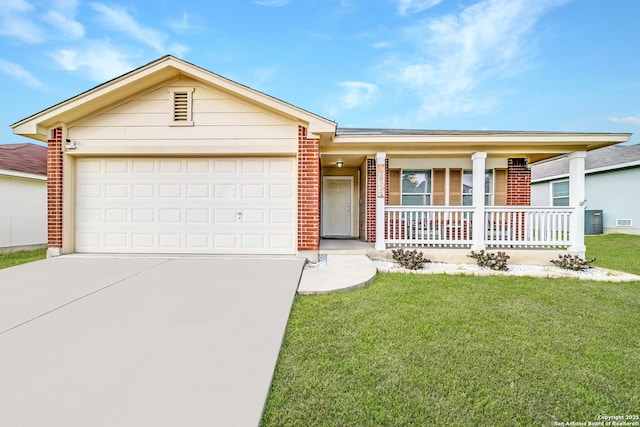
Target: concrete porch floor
[[345, 246]]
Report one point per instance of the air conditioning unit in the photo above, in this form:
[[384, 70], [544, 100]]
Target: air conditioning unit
[[624, 222], [593, 222]]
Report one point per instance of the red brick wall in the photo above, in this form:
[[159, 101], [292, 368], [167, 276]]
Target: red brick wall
[[308, 191], [518, 183], [371, 197], [54, 189], [371, 200]]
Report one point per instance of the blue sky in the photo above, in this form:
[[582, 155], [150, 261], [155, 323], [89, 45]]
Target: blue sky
[[553, 65]]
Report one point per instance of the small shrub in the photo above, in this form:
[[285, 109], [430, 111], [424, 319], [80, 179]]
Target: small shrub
[[411, 260], [495, 261], [572, 262]]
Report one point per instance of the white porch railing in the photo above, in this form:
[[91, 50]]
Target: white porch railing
[[428, 226], [452, 226], [527, 226]]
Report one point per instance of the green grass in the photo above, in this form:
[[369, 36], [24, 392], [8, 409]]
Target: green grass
[[615, 251], [457, 350], [22, 257]]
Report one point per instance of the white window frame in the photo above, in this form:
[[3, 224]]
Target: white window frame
[[428, 193], [488, 195], [554, 198], [188, 91]]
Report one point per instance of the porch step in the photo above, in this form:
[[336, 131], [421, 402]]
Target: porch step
[[342, 272]]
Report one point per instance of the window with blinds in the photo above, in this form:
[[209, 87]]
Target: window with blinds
[[445, 187]]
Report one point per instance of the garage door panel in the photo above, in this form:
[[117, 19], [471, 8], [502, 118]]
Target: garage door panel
[[186, 205]]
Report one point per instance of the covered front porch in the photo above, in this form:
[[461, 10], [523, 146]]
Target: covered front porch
[[458, 192]]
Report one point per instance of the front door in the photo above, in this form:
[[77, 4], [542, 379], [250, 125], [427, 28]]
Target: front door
[[337, 215]]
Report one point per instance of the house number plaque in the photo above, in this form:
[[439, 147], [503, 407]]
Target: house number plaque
[[380, 181]]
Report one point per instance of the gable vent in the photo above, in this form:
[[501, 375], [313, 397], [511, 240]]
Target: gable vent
[[181, 99], [624, 223], [180, 107]]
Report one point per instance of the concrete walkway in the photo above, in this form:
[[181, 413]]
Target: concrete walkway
[[342, 272], [141, 342]]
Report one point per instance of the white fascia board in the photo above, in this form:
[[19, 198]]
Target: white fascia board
[[614, 167], [550, 178], [18, 174], [549, 138]]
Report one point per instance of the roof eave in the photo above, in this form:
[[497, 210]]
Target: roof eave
[[20, 174], [533, 137]]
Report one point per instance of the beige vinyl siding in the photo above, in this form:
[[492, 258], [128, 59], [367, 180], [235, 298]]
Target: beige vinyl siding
[[222, 123]]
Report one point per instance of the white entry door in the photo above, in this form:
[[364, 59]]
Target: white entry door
[[337, 213], [186, 205]]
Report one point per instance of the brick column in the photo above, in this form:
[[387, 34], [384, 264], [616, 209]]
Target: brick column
[[54, 192], [308, 191], [371, 200], [370, 182], [518, 183]]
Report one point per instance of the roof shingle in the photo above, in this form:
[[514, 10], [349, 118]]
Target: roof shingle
[[607, 157], [28, 157]]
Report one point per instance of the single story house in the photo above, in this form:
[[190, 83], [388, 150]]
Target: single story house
[[172, 158], [612, 175], [23, 196]]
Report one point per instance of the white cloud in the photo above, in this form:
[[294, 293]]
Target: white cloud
[[19, 19], [406, 7], [19, 73], [62, 16], [99, 60], [353, 95], [16, 22], [457, 53], [633, 120], [181, 25], [272, 3], [383, 45], [178, 50], [63, 23], [119, 20], [356, 94]]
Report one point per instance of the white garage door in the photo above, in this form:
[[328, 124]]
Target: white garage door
[[189, 205]]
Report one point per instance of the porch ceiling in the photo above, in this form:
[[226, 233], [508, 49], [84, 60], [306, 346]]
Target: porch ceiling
[[349, 160]]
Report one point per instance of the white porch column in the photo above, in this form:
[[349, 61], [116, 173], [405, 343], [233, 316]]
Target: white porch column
[[479, 160], [577, 201], [381, 174]]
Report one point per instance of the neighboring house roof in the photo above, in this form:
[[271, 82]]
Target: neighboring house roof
[[26, 158], [602, 159], [161, 70]]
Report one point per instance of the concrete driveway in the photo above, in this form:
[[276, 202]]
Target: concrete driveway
[[141, 341]]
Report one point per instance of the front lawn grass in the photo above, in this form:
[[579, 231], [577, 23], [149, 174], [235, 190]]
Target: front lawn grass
[[615, 251], [456, 350], [9, 259]]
